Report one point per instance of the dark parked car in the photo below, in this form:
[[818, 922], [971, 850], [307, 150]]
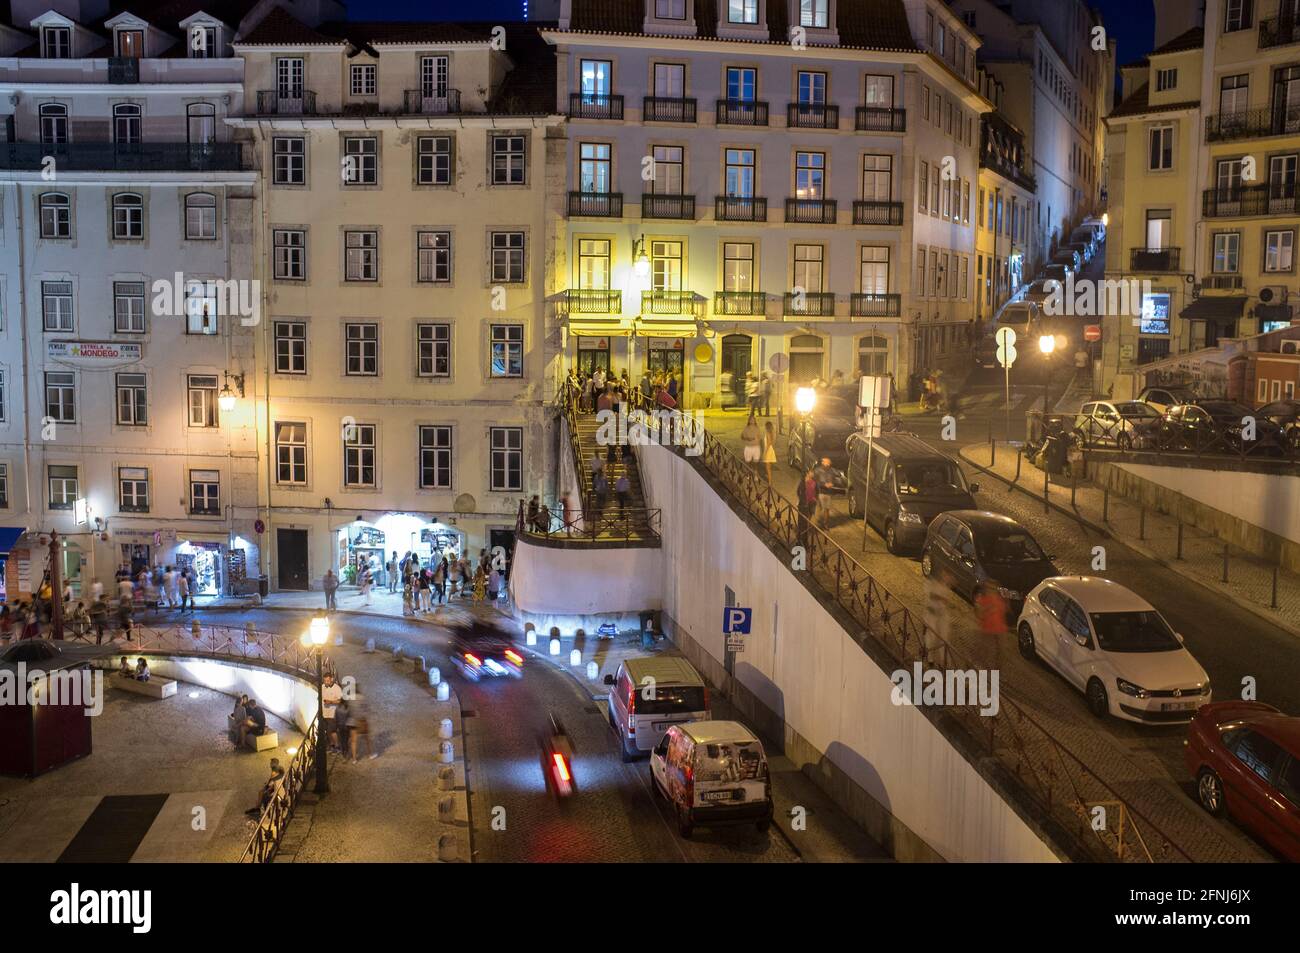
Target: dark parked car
[[824, 433], [1286, 414], [1218, 426], [485, 651], [965, 548], [1245, 759], [1123, 423]]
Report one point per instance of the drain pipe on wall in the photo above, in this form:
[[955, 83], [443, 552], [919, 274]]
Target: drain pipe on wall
[[22, 319]]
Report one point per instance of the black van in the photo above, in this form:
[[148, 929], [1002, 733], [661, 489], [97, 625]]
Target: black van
[[911, 484]]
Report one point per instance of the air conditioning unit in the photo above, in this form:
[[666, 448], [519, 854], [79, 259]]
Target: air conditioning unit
[[1291, 347], [1273, 294]]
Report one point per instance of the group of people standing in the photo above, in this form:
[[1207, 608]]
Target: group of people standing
[[599, 390]]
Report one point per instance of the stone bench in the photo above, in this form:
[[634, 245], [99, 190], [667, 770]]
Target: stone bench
[[153, 688], [263, 742]]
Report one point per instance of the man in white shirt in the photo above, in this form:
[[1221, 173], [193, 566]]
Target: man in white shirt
[[331, 695], [169, 587]]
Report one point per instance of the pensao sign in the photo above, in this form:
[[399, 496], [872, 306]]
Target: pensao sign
[[93, 352]]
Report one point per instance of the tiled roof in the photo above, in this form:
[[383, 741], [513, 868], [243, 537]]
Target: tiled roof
[[1193, 39], [861, 24], [1140, 102], [167, 14], [529, 88], [278, 28], [361, 33]]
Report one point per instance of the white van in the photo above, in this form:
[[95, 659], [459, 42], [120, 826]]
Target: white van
[[651, 694], [712, 772]]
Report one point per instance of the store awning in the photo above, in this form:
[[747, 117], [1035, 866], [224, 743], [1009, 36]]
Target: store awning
[[9, 536], [1214, 309], [666, 328]]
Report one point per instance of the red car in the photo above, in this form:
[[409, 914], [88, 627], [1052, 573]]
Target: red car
[[1245, 757]]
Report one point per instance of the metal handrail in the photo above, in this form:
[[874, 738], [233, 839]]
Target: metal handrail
[[274, 820], [631, 523]]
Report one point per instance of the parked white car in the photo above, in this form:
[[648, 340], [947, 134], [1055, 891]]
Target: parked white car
[[1113, 646]]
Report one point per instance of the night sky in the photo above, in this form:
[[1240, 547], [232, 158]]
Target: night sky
[[1130, 22]]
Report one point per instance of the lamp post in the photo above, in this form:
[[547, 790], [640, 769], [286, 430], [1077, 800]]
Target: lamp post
[[318, 635], [1046, 346]]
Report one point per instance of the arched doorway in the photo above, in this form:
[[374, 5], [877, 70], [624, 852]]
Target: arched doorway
[[737, 362], [593, 353], [807, 358]]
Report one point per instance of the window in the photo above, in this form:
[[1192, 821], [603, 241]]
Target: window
[[920, 270], [435, 78], [362, 76], [126, 124], [200, 216], [201, 124], [593, 264], [1227, 253], [740, 173], [878, 92], [811, 88], [507, 459], [130, 44], [61, 396], [810, 175], [507, 350], [205, 492], [737, 266], [669, 170], [63, 487], [1278, 251], [877, 178], [433, 160], [873, 270], [4, 404], [670, 80], [361, 254], [809, 263], [594, 167], [925, 101], [202, 390], [290, 254], [923, 181], [1234, 94], [56, 42], [128, 307], [290, 347], [291, 453], [360, 160], [507, 257], [133, 489], [742, 11], [670, 9], [742, 84], [128, 216], [594, 78], [362, 349], [56, 305], [433, 256], [1166, 79], [1161, 154], [359, 455], [203, 43], [509, 160], [4, 486], [289, 78], [201, 307], [433, 350], [666, 265], [965, 201], [54, 124], [1237, 15], [435, 458], [56, 215], [289, 166], [814, 13]]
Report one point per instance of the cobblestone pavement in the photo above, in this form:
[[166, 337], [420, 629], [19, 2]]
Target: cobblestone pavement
[[1143, 764]]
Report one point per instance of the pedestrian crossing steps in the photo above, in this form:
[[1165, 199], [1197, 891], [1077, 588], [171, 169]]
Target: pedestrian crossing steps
[[586, 430]]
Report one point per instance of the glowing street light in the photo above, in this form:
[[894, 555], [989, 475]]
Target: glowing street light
[[319, 631], [1047, 343], [1105, 219], [805, 399], [640, 260]]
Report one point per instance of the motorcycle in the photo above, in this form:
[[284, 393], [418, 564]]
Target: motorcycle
[[557, 759]]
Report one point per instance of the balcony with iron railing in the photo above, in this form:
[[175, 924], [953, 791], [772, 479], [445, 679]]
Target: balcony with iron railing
[[1258, 123], [1223, 282], [654, 205], [742, 303], [123, 69], [1279, 31], [674, 303], [811, 211], [880, 119], [1149, 260], [740, 112], [667, 109], [812, 116], [591, 301], [416, 102], [133, 157], [1004, 167], [1250, 201], [596, 204], [273, 103], [872, 212], [869, 305], [809, 304], [595, 106], [739, 208]]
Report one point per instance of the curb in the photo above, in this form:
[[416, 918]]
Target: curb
[[1262, 612]]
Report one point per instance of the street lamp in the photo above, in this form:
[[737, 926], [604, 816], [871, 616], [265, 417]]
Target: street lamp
[[318, 634], [226, 399], [805, 399], [1046, 346], [640, 260]]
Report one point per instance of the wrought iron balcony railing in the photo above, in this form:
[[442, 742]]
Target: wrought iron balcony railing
[[810, 211], [1145, 260], [417, 102], [869, 305], [812, 116], [880, 119], [812, 304], [1279, 120], [1223, 282], [596, 204], [1251, 201], [872, 212], [591, 301], [740, 112], [123, 69], [669, 302], [667, 109], [750, 303], [136, 157], [667, 206], [739, 208], [595, 106], [272, 103], [1279, 31]]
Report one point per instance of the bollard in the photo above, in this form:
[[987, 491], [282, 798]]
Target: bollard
[[1019, 456], [530, 628], [444, 691], [1225, 562], [1273, 602], [445, 728], [250, 633], [397, 653], [1105, 504], [575, 658], [419, 663], [446, 779], [435, 676], [593, 670], [1180, 540], [447, 849], [1142, 523], [1074, 486], [530, 638], [555, 632], [370, 645], [446, 752], [195, 630], [446, 808], [1047, 482], [555, 646]]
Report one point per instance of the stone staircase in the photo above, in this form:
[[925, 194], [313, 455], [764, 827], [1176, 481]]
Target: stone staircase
[[636, 520]]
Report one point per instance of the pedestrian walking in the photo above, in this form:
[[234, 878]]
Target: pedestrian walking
[[766, 394], [752, 437], [622, 488], [331, 585], [359, 729], [391, 572], [769, 449], [991, 608], [807, 499], [186, 591], [825, 484], [169, 587], [601, 487], [364, 582]]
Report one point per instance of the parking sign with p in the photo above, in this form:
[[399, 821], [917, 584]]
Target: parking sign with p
[[735, 620]]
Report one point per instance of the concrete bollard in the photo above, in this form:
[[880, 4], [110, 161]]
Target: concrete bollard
[[530, 638], [419, 663], [435, 676], [370, 645], [195, 630], [444, 728], [575, 658], [397, 653], [555, 632], [448, 852], [555, 646], [446, 779], [530, 629], [446, 752], [446, 809], [593, 670], [444, 691], [250, 633]]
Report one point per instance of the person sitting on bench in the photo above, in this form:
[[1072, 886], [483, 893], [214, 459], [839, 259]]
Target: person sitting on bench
[[268, 789], [125, 669], [142, 670], [254, 723]]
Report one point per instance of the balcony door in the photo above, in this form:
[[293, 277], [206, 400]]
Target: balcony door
[[1286, 100], [1159, 230], [435, 83], [289, 80], [130, 44], [201, 125]]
